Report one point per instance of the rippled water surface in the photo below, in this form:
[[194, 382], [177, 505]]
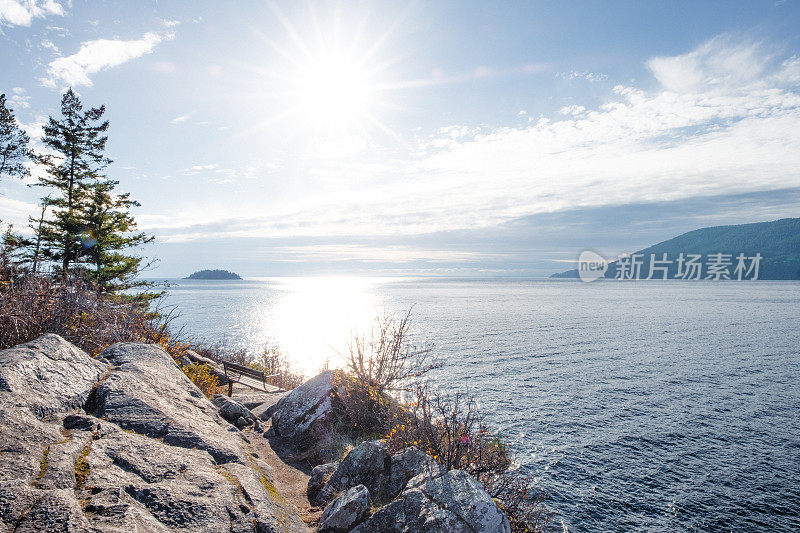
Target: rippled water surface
[[638, 406]]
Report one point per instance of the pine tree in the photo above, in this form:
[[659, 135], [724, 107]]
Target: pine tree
[[110, 229], [13, 144], [78, 140]]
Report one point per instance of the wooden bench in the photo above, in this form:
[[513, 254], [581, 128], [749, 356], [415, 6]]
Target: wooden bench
[[255, 379]]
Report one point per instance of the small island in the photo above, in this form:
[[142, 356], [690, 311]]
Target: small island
[[213, 274]]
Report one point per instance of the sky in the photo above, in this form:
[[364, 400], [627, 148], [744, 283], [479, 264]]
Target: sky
[[423, 138]]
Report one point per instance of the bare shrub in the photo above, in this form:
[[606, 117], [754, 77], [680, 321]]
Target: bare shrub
[[361, 410], [31, 306], [388, 360], [520, 499], [450, 428]]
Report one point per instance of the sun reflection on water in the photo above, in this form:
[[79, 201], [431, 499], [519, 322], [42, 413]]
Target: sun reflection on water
[[314, 318]]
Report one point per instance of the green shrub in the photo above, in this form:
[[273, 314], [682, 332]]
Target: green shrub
[[203, 378]]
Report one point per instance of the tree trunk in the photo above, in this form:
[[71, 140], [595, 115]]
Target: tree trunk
[[39, 237]]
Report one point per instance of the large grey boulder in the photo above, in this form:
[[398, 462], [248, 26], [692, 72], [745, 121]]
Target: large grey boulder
[[347, 511], [63, 469], [305, 415], [451, 503], [410, 463], [367, 464], [48, 374]]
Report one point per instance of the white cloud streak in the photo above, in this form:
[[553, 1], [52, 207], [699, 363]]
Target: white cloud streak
[[180, 119], [95, 56]]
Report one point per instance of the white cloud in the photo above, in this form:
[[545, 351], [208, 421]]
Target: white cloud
[[58, 30], [722, 122], [22, 12], [356, 252], [718, 64], [19, 99], [16, 212], [98, 55], [213, 172], [34, 129], [572, 110]]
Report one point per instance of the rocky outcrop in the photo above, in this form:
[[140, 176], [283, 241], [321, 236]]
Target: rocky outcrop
[[305, 415], [450, 503], [320, 476], [371, 465], [347, 511], [417, 493], [123, 443]]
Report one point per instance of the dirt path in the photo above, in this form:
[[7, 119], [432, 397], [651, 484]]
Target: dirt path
[[291, 478]]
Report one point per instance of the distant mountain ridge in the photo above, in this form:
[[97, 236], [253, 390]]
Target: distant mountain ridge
[[213, 274], [778, 243]]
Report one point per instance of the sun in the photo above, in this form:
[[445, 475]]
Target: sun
[[330, 78], [335, 92]]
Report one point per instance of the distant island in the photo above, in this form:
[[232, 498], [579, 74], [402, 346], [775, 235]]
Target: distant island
[[213, 274], [777, 242]]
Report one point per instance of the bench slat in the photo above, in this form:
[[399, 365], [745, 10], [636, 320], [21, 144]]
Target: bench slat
[[241, 373]]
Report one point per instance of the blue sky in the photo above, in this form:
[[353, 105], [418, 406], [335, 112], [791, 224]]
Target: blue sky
[[441, 138]]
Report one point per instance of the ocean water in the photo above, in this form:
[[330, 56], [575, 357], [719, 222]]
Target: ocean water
[[641, 406]]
